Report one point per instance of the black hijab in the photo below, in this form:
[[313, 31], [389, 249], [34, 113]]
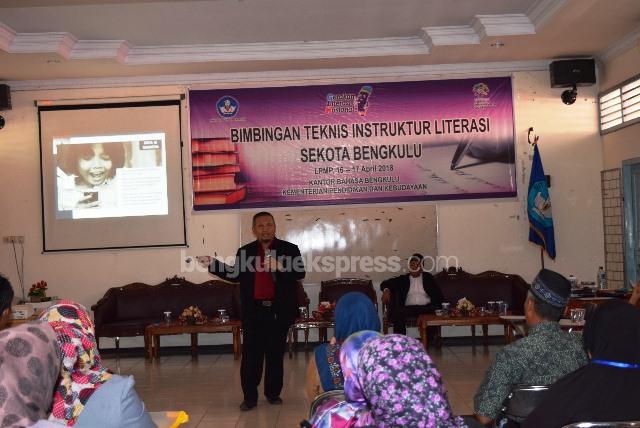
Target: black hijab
[[612, 333], [607, 388]]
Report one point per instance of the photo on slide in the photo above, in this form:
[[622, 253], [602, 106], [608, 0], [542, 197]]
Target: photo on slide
[[110, 176]]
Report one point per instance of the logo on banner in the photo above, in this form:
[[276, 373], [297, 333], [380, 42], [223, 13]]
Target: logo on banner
[[349, 102], [227, 107], [481, 96]]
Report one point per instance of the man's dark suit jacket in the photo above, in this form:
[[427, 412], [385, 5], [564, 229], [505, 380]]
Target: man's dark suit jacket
[[285, 301], [399, 288]]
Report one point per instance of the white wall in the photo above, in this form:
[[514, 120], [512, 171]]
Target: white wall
[[624, 143], [483, 235], [495, 235]]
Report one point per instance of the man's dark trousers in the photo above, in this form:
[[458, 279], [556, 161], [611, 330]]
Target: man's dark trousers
[[264, 340], [400, 314]]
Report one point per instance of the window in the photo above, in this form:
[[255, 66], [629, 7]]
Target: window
[[620, 106]]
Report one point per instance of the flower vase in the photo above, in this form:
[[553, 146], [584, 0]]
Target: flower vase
[[464, 312], [327, 315], [35, 299], [191, 320]]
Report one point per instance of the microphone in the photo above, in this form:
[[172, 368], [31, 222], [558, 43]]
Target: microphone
[[270, 254]]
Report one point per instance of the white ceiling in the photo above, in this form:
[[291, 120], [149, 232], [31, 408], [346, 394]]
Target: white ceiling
[[72, 39]]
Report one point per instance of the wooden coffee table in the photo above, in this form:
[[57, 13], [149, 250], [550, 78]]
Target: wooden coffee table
[[431, 320], [154, 331]]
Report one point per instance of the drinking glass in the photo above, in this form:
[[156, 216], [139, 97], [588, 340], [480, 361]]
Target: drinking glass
[[222, 315], [167, 317], [482, 311], [492, 307], [577, 315], [304, 312], [445, 308], [503, 308]]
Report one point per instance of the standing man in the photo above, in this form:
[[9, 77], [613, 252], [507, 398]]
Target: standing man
[[267, 270], [411, 295]]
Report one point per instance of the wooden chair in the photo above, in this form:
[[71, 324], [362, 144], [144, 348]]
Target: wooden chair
[[333, 289]]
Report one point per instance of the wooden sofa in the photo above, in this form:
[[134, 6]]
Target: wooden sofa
[[478, 288], [126, 311]]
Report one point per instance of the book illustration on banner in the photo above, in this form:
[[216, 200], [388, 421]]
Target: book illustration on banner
[[217, 178]]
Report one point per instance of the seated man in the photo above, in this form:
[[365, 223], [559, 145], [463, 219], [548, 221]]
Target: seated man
[[6, 297], [541, 358], [410, 295]]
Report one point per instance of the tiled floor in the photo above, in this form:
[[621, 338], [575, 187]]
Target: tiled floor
[[208, 388]]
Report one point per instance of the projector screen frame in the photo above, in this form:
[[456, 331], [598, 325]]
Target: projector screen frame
[[46, 184]]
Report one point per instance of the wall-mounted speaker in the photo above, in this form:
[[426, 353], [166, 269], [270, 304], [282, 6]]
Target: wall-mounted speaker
[[5, 97], [568, 72]]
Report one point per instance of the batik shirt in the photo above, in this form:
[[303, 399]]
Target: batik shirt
[[541, 358]]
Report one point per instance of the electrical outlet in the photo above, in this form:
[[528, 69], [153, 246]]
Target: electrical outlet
[[18, 239]]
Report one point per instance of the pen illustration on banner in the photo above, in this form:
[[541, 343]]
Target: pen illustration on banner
[[461, 150]]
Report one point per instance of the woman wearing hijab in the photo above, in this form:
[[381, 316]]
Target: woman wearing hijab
[[30, 359], [607, 388], [402, 386], [87, 394], [353, 411], [354, 312]]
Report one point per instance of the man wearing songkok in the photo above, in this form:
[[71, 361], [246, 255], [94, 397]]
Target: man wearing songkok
[[541, 358]]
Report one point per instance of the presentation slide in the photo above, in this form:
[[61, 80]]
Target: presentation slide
[[111, 176]]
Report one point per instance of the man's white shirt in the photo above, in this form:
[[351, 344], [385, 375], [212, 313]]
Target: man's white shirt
[[416, 295]]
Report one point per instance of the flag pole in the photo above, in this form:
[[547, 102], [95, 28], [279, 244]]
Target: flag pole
[[542, 257]]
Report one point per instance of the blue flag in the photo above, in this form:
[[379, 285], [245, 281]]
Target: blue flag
[[539, 208]]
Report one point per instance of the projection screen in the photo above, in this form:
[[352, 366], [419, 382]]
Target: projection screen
[[111, 176]]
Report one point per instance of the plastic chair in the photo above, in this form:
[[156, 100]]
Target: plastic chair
[[169, 419], [520, 402], [627, 424], [336, 395]]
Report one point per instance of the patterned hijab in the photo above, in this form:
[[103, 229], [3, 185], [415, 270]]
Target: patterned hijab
[[82, 370], [353, 411], [30, 364], [403, 386]]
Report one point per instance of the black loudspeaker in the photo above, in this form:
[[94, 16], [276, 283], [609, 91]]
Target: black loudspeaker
[[568, 72], [5, 97]]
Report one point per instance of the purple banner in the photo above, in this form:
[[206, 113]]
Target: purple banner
[[356, 143]]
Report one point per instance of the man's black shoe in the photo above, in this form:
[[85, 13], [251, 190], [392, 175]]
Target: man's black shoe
[[274, 400], [244, 406]]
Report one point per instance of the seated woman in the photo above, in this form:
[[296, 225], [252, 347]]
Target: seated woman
[[607, 388], [353, 411], [354, 312], [30, 358], [400, 387], [87, 394]]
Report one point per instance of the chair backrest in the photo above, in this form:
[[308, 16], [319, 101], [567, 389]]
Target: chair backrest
[[332, 290], [521, 401], [621, 424], [336, 395]]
